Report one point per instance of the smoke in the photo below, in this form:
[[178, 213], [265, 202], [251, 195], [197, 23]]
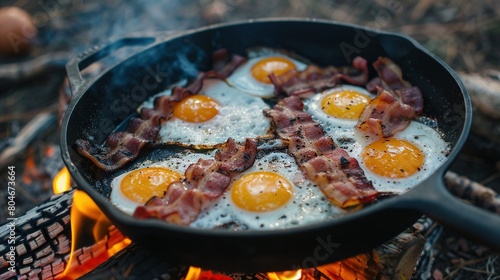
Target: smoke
[[121, 18], [76, 25]]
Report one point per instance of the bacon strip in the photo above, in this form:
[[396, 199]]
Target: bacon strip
[[122, 147], [390, 78], [204, 181], [390, 74], [315, 79], [397, 103], [224, 65], [385, 116], [337, 174]]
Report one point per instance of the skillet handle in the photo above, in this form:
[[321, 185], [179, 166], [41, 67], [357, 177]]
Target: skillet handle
[[94, 54], [434, 200]]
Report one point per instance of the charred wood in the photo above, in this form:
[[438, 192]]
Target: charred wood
[[43, 242]]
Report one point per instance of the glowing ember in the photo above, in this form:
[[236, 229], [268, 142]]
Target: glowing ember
[[351, 268], [119, 246], [93, 238], [30, 170], [285, 275], [195, 273]]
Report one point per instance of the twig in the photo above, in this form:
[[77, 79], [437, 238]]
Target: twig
[[490, 266], [33, 67], [28, 115], [490, 178], [20, 188], [29, 132]]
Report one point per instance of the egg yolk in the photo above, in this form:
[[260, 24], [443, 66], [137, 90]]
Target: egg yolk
[[261, 191], [142, 184], [393, 158], [196, 109], [347, 104], [277, 65]]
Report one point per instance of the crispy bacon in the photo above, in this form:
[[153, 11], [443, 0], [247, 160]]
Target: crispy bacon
[[315, 79], [384, 116], [337, 174], [224, 65], [122, 147], [233, 157], [204, 181], [411, 96], [390, 78], [390, 73], [397, 103]]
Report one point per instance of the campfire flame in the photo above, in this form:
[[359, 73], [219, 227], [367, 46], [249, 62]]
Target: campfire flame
[[90, 230], [62, 181], [352, 268], [196, 273], [285, 275], [193, 273]]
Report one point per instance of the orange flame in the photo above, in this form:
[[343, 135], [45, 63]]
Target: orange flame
[[193, 273], [61, 182], [196, 273], [30, 169], [285, 275], [85, 216]]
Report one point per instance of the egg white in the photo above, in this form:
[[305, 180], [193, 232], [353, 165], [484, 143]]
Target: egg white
[[428, 140], [329, 123], [240, 116], [242, 77], [307, 205], [178, 163]]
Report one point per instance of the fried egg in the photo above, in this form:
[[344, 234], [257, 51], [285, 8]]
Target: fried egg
[[211, 117], [272, 194], [400, 162], [338, 108], [136, 187], [253, 76]]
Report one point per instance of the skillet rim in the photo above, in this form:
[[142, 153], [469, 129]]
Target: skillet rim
[[123, 219]]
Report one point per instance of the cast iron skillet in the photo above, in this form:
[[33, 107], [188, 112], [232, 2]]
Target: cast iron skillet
[[102, 103]]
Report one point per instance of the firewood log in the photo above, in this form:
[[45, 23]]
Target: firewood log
[[43, 241], [484, 89]]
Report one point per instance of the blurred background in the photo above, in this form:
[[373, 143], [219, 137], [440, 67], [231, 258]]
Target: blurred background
[[463, 33], [47, 33]]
